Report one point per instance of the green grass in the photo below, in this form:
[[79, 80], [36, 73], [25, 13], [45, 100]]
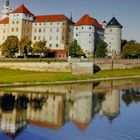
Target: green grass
[[20, 76]]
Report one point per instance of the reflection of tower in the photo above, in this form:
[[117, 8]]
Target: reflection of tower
[[6, 10], [111, 104], [81, 110], [12, 122], [13, 113]]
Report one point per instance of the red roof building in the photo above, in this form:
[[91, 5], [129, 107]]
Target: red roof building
[[51, 18]]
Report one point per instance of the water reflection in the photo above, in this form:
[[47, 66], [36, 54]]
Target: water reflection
[[77, 103]]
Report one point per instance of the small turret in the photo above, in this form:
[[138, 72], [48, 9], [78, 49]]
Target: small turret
[[6, 10], [7, 3]]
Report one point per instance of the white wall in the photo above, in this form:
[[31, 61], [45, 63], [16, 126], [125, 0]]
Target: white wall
[[113, 37], [85, 36]]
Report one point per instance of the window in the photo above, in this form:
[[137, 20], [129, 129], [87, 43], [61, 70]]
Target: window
[[89, 42], [76, 28], [35, 30], [17, 22], [39, 23], [89, 34], [57, 23], [39, 38], [34, 37], [35, 24], [44, 23], [110, 30], [90, 28], [82, 27], [50, 37], [16, 29], [12, 29], [13, 22], [57, 38], [51, 23], [50, 45], [44, 30], [57, 30], [76, 34], [51, 30], [57, 45], [39, 30]]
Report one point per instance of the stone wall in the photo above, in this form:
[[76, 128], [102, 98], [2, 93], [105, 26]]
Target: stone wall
[[38, 66], [107, 64], [77, 68]]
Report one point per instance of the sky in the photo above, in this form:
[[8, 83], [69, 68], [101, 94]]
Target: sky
[[126, 11]]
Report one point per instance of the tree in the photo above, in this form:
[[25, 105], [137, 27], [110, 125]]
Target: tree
[[40, 48], [25, 46], [75, 50], [10, 46], [123, 42], [101, 49], [131, 49]]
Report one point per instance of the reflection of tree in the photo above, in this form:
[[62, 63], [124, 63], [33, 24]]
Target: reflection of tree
[[37, 103], [21, 102], [7, 102], [130, 96]]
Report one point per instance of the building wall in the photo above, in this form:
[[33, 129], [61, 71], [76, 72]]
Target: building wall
[[85, 36], [4, 32]]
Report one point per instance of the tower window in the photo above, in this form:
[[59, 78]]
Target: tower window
[[57, 45]]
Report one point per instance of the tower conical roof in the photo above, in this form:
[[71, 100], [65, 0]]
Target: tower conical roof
[[114, 22]]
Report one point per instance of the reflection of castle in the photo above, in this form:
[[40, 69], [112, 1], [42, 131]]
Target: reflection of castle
[[52, 110]]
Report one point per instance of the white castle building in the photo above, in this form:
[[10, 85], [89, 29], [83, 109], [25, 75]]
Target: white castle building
[[59, 31]]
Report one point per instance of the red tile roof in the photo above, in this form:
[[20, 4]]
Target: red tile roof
[[87, 20], [51, 18], [22, 9], [4, 21]]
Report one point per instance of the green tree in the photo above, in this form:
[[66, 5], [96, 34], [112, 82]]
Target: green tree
[[25, 46], [123, 42], [75, 50], [131, 49], [100, 49], [10, 46], [40, 48]]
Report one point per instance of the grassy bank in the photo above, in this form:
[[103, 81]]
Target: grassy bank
[[20, 76]]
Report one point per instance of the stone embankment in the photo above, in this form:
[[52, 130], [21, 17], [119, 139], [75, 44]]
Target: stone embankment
[[77, 67]]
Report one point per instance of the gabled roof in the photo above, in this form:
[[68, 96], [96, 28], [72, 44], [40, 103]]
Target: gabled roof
[[87, 20], [51, 18], [114, 22], [22, 9], [4, 21]]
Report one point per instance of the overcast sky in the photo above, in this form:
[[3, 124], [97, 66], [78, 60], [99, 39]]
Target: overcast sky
[[126, 11]]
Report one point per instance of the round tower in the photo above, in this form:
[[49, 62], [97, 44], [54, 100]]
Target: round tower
[[113, 36]]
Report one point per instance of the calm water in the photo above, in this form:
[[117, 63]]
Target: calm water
[[107, 110]]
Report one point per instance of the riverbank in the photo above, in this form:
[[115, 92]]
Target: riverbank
[[21, 77]]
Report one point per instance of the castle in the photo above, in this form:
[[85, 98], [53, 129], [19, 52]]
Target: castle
[[59, 31]]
